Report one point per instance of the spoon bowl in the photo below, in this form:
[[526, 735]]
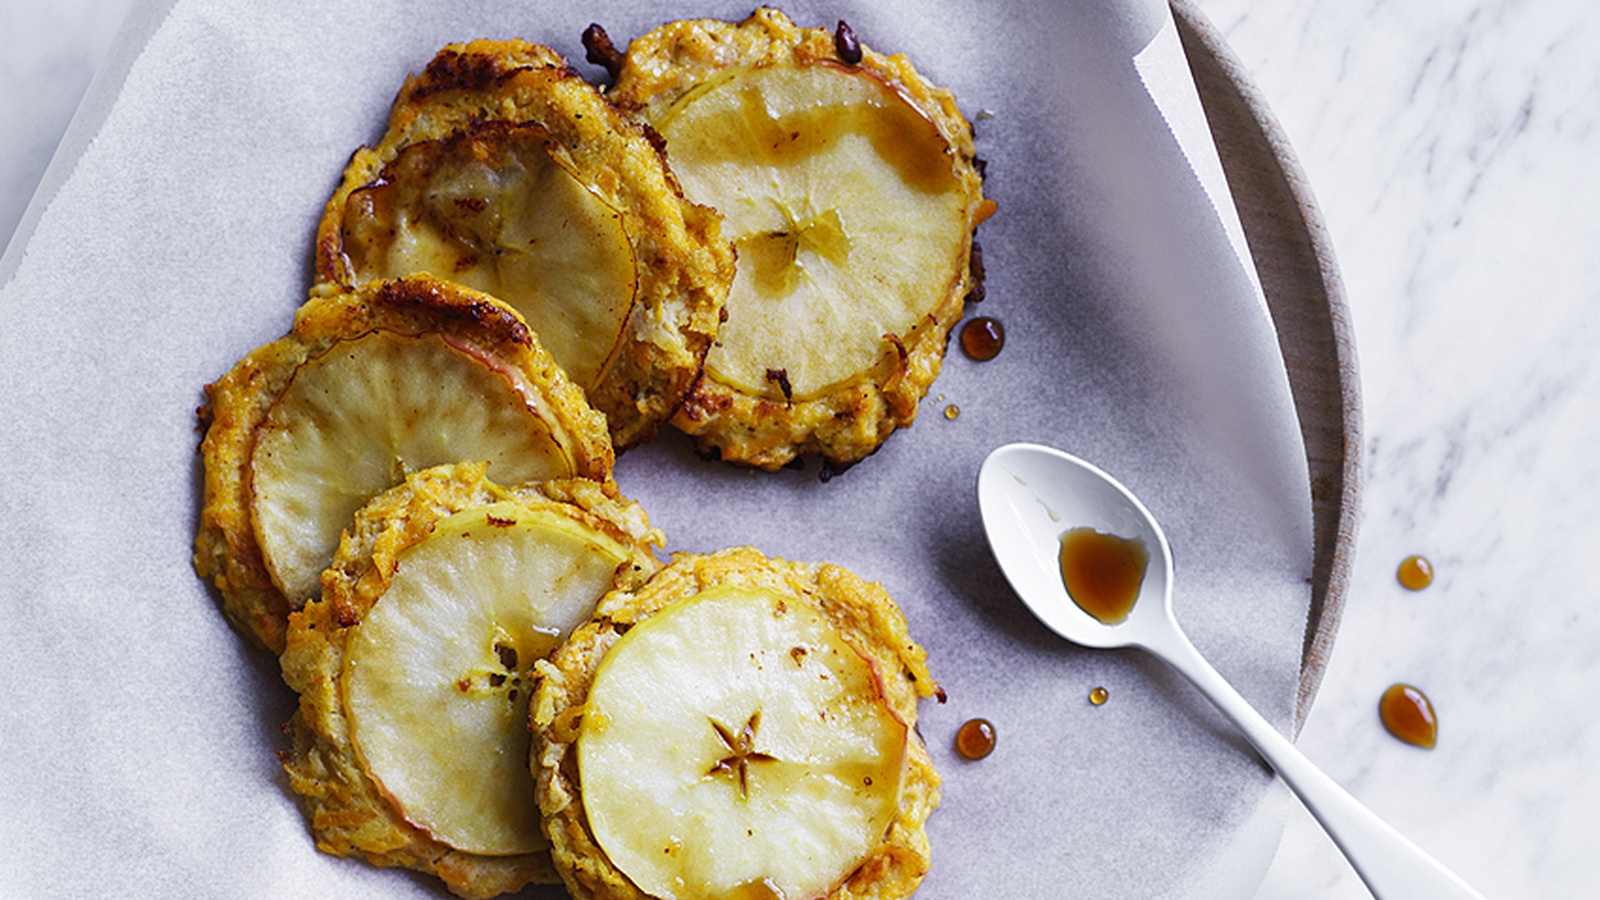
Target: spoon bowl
[[1029, 496]]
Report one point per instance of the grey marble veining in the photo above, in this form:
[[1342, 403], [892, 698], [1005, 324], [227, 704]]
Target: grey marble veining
[[1452, 148]]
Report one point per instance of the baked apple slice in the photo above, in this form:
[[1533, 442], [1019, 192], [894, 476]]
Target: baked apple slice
[[491, 208], [734, 738], [368, 387], [433, 674], [739, 727], [411, 742], [850, 191], [501, 169]]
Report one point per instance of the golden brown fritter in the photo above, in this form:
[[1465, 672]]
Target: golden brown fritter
[[503, 170], [352, 808], [860, 613], [368, 386], [848, 184]]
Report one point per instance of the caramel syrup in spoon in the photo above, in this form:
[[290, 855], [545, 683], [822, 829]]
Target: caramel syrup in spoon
[[1103, 573]]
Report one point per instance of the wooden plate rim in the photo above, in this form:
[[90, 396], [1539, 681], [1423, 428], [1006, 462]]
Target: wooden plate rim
[[1294, 258]]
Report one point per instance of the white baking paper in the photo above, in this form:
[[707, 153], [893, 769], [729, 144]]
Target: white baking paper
[[173, 234]]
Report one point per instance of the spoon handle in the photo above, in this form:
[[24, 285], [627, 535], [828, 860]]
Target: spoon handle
[[1392, 867]]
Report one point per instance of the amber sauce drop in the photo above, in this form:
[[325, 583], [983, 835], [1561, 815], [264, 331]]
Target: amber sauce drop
[[1408, 715], [982, 338], [1099, 696], [975, 739], [1415, 573], [1103, 572]]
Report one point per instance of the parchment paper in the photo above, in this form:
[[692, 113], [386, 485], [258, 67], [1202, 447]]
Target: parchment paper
[[173, 234]]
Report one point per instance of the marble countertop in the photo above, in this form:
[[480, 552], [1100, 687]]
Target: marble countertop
[[1452, 148]]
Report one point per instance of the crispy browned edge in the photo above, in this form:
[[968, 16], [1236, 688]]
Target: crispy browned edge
[[865, 616], [226, 549]]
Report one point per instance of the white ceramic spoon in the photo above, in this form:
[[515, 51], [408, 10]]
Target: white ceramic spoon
[[1029, 496]]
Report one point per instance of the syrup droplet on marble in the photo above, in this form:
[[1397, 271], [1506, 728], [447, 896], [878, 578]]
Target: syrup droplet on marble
[[1099, 696], [1409, 716], [1415, 573], [952, 411]]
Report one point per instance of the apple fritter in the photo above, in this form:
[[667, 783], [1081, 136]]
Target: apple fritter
[[410, 744], [738, 727], [848, 184], [504, 171], [369, 386]]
